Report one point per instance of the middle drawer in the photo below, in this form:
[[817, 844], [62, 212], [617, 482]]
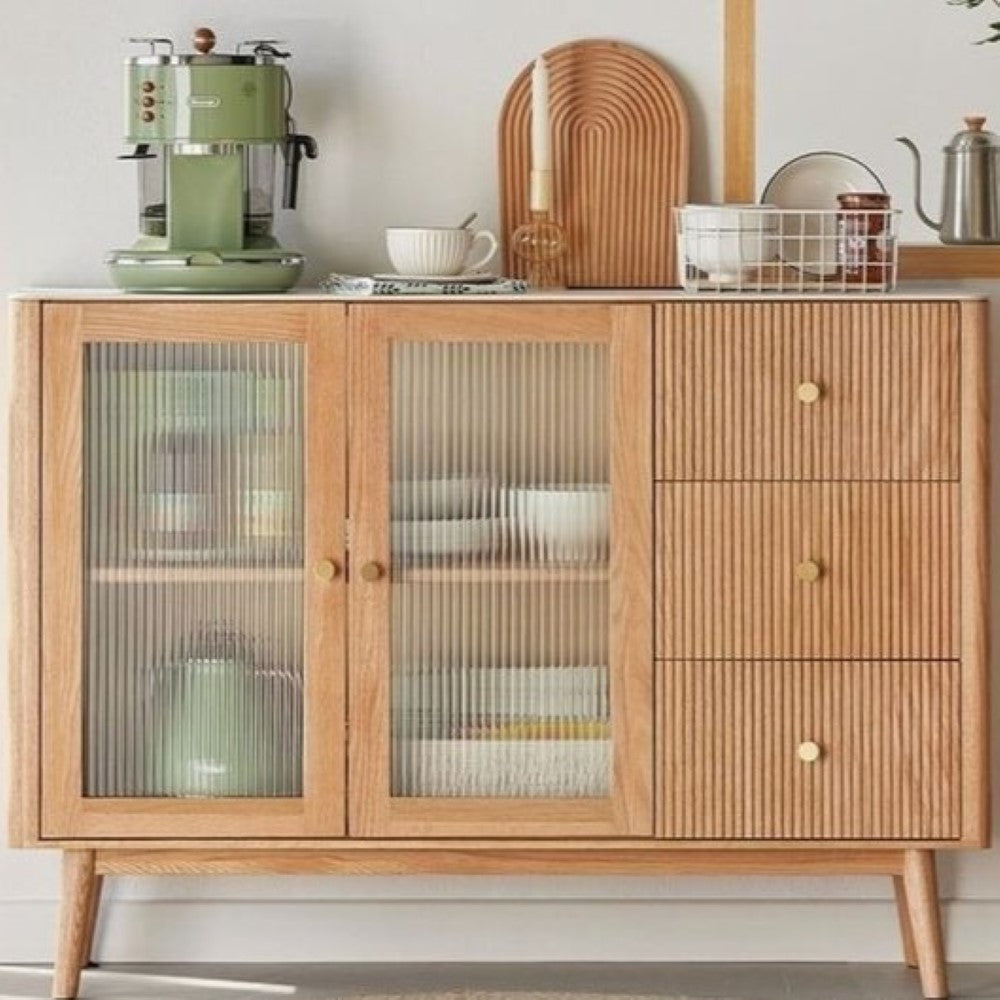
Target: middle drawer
[[786, 571]]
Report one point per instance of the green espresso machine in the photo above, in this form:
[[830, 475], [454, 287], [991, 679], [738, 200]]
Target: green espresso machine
[[208, 130]]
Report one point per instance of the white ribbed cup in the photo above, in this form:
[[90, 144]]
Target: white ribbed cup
[[437, 251]]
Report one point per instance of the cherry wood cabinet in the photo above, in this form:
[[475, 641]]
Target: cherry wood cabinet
[[571, 583]]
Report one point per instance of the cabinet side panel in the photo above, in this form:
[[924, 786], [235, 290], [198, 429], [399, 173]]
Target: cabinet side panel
[[61, 583], [975, 578], [23, 571]]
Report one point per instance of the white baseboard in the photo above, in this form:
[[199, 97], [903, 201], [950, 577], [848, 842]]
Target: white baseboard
[[498, 931]]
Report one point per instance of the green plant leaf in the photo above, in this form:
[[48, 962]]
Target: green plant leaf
[[995, 37]]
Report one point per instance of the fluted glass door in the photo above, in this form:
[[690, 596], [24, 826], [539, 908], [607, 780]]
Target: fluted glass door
[[193, 564], [501, 637], [500, 520], [194, 594]]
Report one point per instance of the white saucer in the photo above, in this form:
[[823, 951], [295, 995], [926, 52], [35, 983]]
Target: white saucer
[[473, 278], [812, 182]]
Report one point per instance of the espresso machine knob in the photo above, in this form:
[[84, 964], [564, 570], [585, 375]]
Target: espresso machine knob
[[203, 40]]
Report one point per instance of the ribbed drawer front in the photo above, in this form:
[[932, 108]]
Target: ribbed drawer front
[[808, 391], [780, 571], [735, 735]]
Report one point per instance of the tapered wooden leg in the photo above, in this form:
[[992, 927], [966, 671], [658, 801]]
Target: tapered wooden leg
[[95, 907], [79, 882], [920, 889], [905, 927]]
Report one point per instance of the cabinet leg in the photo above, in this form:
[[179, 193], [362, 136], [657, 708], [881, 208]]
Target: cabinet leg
[[76, 922], [95, 908], [905, 927], [920, 890]]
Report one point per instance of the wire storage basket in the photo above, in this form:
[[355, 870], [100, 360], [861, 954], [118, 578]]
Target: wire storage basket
[[758, 248]]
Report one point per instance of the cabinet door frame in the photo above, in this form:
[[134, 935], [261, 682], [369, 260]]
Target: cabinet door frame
[[628, 811], [66, 813]]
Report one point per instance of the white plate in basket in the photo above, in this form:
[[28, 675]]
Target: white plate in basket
[[811, 182]]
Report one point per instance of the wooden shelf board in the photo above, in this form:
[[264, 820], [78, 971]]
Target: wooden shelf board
[[937, 260], [194, 574]]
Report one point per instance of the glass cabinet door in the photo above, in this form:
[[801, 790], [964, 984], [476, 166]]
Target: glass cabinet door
[[195, 560], [501, 572]]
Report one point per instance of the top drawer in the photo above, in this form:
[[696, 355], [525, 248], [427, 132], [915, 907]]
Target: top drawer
[[807, 391]]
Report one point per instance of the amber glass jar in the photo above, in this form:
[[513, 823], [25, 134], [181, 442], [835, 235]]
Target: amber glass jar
[[864, 238]]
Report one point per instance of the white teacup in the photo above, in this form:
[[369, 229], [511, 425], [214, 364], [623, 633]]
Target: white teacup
[[439, 251]]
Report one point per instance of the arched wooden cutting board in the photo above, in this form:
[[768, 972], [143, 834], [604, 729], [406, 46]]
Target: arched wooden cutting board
[[620, 152]]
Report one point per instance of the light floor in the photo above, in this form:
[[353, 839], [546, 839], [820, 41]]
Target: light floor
[[741, 981]]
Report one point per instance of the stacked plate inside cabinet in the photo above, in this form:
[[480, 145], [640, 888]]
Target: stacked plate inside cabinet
[[445, 518]]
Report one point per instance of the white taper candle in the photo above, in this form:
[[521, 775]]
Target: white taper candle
[[541, 138]]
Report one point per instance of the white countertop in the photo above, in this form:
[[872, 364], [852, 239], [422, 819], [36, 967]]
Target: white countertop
[[905, 291]]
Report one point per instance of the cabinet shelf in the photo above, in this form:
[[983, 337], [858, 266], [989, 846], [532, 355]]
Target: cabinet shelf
[[509, 573], [195, 574]]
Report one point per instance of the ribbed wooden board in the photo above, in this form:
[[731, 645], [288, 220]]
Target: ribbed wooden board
[[620, 151], [727, 557], [727, 375], [891, 763]]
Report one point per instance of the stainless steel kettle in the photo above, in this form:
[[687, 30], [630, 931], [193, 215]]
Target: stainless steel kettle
[[971, 197]]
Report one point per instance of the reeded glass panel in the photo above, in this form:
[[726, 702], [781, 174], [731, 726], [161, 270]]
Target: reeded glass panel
[[500, 501], [193, 539]]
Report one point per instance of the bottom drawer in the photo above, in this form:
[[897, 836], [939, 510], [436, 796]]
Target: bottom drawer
[[739, 738]]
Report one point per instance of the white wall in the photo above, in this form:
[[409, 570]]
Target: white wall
[[403, 98], [853, 75]]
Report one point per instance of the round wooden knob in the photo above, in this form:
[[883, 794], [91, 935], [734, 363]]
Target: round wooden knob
[[326, 569], [808, 392], [203, 40], [809, 752], [975, 123], [371, 571], [809, 570]]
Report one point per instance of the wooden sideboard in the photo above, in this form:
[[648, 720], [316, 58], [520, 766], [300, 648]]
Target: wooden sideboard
[[604, 583]]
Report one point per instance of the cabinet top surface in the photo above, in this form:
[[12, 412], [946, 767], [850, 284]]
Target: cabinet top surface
[[906, 291]]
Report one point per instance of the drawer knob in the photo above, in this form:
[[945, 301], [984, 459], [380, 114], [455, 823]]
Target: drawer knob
[[809, 570], [372, 571], [809, 752], [326, 569], [808, 392]]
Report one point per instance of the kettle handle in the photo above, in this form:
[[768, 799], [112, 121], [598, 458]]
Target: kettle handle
[[918, 197]]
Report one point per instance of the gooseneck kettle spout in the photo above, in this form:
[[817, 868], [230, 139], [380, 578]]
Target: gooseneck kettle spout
[[917, 186]]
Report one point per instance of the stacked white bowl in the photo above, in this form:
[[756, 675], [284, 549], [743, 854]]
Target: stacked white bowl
[[727, 241]]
